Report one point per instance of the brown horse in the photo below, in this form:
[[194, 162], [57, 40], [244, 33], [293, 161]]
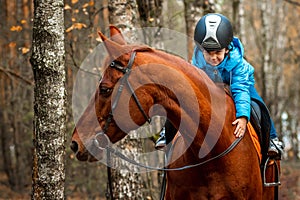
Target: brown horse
[[137, 80]]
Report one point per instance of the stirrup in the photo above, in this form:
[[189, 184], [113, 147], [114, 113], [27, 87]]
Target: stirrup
[[277, 175]]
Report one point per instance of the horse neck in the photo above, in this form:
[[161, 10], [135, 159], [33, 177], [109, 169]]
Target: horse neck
[[194, 104]]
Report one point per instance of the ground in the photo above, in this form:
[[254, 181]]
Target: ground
[[290, 181], [289, 190]]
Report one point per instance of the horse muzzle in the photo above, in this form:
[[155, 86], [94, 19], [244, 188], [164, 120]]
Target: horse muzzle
[[91, 150], [101, 141]]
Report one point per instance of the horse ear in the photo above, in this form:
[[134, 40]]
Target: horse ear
[[112, 47], [116, 35]]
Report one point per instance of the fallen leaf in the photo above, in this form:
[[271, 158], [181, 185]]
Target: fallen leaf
[[67, 7], [85, 5], [74, 1], [12, 44], [16, 28], [77, 26], [91, 3], [25, 50]]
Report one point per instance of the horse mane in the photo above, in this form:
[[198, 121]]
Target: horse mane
[[181, 64], [178, 61]]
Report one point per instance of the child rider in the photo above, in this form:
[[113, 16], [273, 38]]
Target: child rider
[[220, 55]]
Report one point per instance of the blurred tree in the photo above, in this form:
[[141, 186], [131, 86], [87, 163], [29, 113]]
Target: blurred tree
[[290, 58], [48, 65], [238, 19], [126, 180], [82, 20], [150, 13], [15, 93], [193, 11], [272, 46]]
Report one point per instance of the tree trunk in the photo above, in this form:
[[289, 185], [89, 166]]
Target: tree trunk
[[150, 13], [124, 15], [47, 61], [267, 75], [127, 181], [15, 95], [238, 21], [193, 10], [273, 31]]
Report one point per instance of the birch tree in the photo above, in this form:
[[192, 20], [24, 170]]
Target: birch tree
[[127, 181], [48, 174], [193, 11], [238, 19], [266, 46], [272, 47]]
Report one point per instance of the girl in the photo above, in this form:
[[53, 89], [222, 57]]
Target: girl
[[221, 56]]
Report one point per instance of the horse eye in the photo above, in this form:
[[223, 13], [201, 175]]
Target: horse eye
[[112, 64], [105, 90]]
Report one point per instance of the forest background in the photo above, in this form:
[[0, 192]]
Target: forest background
[[268, 30]]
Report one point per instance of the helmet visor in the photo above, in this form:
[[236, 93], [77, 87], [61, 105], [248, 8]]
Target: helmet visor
[[210, 44]]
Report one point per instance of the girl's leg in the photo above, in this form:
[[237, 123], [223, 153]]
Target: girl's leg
[[254, 94], [166, 135], [276, 146], [273, 132]]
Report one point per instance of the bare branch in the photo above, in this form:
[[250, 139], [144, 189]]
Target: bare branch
[[10, 72], [293, 2]]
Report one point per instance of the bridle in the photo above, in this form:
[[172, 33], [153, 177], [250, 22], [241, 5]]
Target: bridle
[[124, 81]]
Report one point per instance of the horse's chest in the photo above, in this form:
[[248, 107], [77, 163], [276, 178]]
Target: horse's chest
[[198, 177]]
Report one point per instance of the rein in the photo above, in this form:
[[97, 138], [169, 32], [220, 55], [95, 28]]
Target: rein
[[110, 150], [124, 157]]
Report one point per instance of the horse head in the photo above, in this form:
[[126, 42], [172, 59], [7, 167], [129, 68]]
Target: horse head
[[107, 118]]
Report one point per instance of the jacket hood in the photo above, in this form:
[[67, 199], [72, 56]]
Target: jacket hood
[[236, 54]]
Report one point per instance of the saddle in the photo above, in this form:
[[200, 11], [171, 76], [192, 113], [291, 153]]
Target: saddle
[[260, 120], [261, 123]]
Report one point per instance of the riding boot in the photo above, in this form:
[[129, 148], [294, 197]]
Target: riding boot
[[276, 147], [161, 141]]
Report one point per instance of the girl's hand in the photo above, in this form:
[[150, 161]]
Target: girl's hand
[[240, 129]]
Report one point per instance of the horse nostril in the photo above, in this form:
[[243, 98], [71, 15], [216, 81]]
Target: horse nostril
[[74, 146]]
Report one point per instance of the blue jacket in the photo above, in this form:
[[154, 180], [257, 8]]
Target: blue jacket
[[235, 71]]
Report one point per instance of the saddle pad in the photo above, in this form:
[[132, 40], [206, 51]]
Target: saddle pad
[[255, 140]]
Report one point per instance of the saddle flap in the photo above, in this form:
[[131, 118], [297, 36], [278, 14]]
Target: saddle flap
[[260, 120]]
